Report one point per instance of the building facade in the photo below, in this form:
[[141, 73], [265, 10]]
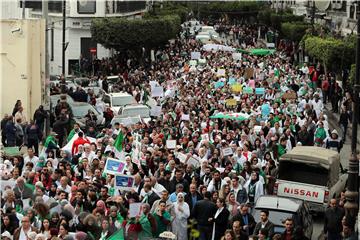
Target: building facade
[[79, 14]]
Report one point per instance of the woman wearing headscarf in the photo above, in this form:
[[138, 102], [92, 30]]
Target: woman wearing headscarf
[[254, 188], [100, 208], [182, 213]]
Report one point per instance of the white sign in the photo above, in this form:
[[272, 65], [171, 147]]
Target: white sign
[[7, 183], [134, 210], [205, 137], [304, 192], [171, 144], [182, 157], [154, 84], [193, 161], [257, 129], [195, 55], [185, 117], [236, 56], [155, 111], [157, 92], [227, 151], [220, 72]]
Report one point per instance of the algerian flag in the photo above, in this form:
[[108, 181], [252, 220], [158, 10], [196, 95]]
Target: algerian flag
[[118, 235], [119, 141]]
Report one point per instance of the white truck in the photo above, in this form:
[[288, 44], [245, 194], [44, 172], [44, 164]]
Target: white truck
[[311, 174]]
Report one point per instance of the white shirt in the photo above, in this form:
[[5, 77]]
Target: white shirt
[[66, 189], [34, 160]]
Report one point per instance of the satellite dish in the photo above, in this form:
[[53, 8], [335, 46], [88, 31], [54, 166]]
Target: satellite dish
[[83, 2], [322, 5]]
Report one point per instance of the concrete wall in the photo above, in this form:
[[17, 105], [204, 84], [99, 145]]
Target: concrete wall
[[22, 64]]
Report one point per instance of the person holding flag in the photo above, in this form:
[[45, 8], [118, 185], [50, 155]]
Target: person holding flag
[[81, 140]]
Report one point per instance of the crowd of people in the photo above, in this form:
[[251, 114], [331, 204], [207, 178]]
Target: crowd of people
[[64, 193]]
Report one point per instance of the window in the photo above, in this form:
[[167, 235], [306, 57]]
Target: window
[[86, 6], [55, 6]]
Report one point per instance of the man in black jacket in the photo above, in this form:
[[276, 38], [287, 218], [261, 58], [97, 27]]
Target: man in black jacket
[[150, 196], [178, 179], [202, 212], [264, 224], [246, 220], [333, 217], [192, 197]]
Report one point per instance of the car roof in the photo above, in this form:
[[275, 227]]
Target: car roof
[[136, 106], [80, 104], [278, 203]]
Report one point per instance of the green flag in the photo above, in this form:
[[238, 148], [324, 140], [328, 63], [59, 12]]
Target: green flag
[[118, 235], [119, 141]]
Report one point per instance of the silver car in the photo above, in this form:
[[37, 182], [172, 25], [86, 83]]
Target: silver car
[[80, 109]]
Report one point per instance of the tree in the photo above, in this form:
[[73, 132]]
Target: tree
[[294, 30], [133, 35]]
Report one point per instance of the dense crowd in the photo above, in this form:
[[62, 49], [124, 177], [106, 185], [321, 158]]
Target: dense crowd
[[71, 197]]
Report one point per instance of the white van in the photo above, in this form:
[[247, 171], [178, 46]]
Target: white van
[[117, 100], [311, 174]]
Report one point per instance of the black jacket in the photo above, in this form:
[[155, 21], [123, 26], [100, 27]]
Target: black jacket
[[221, 223], [188, 199], [269, 226], [152, 198], [202, 211], [251, 221], [333, 219]]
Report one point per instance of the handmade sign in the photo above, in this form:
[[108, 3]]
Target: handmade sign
[[194, 161], [202, 61], [134, 210], [236, 87], [124, 182], [114, 166], [221, 72], [205, 137], [227, 151], [232, 81], [230, 102], [289, 95], [236, 56], [157, 92], [195, 55], [185, 117], [219, 84], [171, 144], [260, 91], [193, 63], [247, 90], [182, 157]]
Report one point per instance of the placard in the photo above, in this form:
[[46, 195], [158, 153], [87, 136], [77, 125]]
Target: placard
[[182, 157], [185, 117], [171, 144], [247, 90], [195, 55], [202, 61], [289, 95], [154, 84], [134, 209], [257, 129], [221, 72], [205, 137], [157, 92], [124, 182], [236, 56], [227, 151], [7, 183], [236, 87], [155, 111], [231, 102], [219, 84], [195, 162], [232, 81], [260, 91], [192, 62], [114, 166]]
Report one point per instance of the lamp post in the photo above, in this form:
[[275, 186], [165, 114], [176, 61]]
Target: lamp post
[[63, 37], [352, 191]]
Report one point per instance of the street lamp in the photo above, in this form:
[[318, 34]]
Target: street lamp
[[352, 191]]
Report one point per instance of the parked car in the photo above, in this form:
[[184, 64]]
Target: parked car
[[132, 114], [281, 208], [311, 174], [81, 109], [117, 100], [55, 98]]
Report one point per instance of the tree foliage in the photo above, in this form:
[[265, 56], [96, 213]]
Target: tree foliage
[[269, 17], [294, 30], [121, 33], [335, 54]]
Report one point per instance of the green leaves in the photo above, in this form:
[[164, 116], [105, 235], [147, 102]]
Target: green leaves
[[121, 33], [294, 30]]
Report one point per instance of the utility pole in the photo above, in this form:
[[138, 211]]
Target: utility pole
[[23, 9], [63, 37], [352, 191], [313, 17], [46, 96]]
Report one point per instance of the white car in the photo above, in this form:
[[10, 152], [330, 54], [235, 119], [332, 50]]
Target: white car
[[132, 114], [118, 100], [80, 109]]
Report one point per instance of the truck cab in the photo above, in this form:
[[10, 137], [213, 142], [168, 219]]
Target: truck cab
[[311, 174]]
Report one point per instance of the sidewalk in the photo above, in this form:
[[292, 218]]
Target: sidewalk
[[333, 119]]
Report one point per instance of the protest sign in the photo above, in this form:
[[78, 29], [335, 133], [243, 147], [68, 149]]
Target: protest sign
[[12, 151], [194, 161], [182, 157], [219, 84], [257, 129], [260, 91], [232, 81], [134, 210], [185, 117], [236, 56], [220, 72], [205, 137], [7, 183], [230, 102], [171, 144], [114, 166], [193, 63], [124, 182], [236, 87], [227, 151], [289, 95], [153, 84], [247, 90], [155, 111], [195, 55], [157, 92], [202, 61]]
